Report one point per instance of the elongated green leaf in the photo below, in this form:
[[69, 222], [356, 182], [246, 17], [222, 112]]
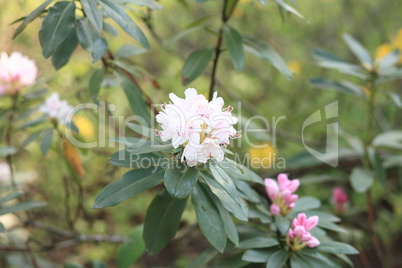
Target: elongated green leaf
[[263, 50], [337, 248], [330, 226], [136, 100], [278, 259], [56, 26], [258, 255], [147, 3], [195, 64], [90, 39], [7, 150], [31, 138], [234, 43], [227, 193], [289, 9], [282, 223], [181, 34], [146, 146], [21, 207], [361, 179], [132, 160], [306, 203], [259, 242], [92, 13], [110, 29], [124, 21], [46, 142], [228, 224], [360, 52], [2, 228], [342, 86], [95, 82], [239, 171], [389, 139], [131, 251], [65, 50], [10, 197], [162, 221], [208, 217], [379, 169], [132, 183], [129, 50], [33, 15], [179, 182], [315, 259]]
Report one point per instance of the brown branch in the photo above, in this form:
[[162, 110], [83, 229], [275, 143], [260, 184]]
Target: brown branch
[[225, 19]]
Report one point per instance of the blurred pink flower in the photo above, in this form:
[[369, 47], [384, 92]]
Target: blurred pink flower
[[16, 72], [339, 198], [56, 108], [299, 236], [282, 195]]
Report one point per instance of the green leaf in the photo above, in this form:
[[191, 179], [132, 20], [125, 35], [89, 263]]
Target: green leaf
[[258, 255], [110, 29], [31, 138], [95, 82], [2, 228], [330, 226], [124, 21], [228, 224], [306, 203], [33, 15], [360, 52], [314, 259], [208, 217], [129, 50], [263, 50], [92, 13], [238, 171], [162, 221], [7, 150], [379, 169], [234, 43], [10, 197], [278, 259], [223, 187], [56, 27], [337, 248], [147, 3], [328, 60], [133, 182], [132, 160], [131, 251], [289, 9], [389, 139], [180, 182], [90, 39], [65, 50], [72, 265], [182, 34], [195, 64], [21, 207], [147, 146], [361, 179], [282, 223], [342, 86], [259, 242], [46, 142], [136, 100]]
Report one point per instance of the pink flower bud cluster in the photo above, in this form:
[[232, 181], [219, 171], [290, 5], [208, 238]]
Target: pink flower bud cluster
[[340, 199], [282, 197], [299, 236], [202, 127], [16, 72]]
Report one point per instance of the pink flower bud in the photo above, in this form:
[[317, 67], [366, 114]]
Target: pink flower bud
[[275, 210], [339, 198], [272, 189], [313, 242], [311, 223]]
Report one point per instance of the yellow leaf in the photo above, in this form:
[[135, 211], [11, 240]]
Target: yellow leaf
[[73, 157]]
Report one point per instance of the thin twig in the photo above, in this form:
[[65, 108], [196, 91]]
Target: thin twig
[[225, 19]]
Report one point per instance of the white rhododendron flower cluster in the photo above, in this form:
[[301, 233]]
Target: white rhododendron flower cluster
[[56, 108], [203, 127], [16, 72]]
